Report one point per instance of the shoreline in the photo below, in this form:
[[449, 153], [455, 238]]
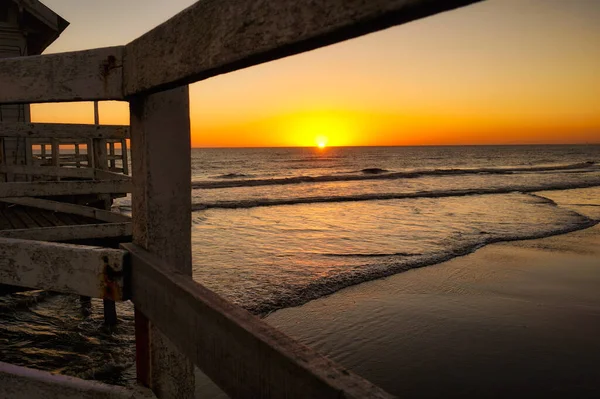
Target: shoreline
[[511, 317]]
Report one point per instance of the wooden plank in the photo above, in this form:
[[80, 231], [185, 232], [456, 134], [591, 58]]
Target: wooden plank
[[25, 383], [28, 155], [242, 354], [111, 155], [161, 204], [70, 232], [74, 76], [63, 131], [52, 219], [49, 171], [215, 37], [78, 156], [55, 206], [36, 214], [13, 219], [108, 175], [4, 223], [25, 218], [125, 156], [74, 269], [49, 188]]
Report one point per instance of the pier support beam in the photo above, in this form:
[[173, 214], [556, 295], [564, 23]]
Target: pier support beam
[[161, 163]]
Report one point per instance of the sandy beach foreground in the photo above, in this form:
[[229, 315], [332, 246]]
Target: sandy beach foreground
[[512, 319]]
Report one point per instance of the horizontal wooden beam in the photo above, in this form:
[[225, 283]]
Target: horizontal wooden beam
[[48, 171], [214, 37], [24, 383], [100, 174], [50, 188], [75, 269], [242, 354], [74, 76], [73, 209], [63, 131], [71, 233]]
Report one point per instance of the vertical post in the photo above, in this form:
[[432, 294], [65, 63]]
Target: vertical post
[[161, 166], [100, 162], [124, 157], [28, 156], [55, 155], [77, 156], [111, 152], [90, 153], [96, 114]]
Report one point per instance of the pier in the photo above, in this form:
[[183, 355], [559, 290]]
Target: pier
[[57, 183]]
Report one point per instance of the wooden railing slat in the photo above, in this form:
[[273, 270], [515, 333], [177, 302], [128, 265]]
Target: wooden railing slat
[[49, 171], [214, 37], [25, 383], [74, 76], [71, 232], [55, 206], [46, 188], [242, 354], [76, 132], [83, 270]]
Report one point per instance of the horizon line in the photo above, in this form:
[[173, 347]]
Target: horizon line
[[407, 146]]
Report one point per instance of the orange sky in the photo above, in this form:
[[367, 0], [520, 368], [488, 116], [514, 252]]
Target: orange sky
[[499, 72]]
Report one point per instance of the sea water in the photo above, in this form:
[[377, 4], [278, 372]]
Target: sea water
[[274, 228]]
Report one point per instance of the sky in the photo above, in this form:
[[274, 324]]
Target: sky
[[497, 72]]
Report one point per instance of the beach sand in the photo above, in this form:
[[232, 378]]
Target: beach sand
[[511, 319]]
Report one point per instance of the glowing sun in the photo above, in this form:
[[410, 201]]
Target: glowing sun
[[321, 141]]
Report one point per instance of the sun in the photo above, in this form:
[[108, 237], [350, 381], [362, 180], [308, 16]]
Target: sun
[[321, 141]]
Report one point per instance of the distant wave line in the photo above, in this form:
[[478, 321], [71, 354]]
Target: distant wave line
[[378, 174], [262, 202]]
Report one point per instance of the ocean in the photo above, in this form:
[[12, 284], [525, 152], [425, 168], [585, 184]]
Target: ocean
[[277, 227]]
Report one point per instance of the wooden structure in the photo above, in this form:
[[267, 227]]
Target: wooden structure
[[179, 323]]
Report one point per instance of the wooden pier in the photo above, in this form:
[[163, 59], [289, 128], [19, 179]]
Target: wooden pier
[[57, 181]]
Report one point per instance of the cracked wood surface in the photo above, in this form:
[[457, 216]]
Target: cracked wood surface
[[74, 269]]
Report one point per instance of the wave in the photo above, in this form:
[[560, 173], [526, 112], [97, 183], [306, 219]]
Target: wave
[[374, 171], [351, 255], [377, 174], [254, 203], [233, 176], [369, 272]]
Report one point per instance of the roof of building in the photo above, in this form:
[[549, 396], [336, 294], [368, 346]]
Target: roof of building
[[43, 26]]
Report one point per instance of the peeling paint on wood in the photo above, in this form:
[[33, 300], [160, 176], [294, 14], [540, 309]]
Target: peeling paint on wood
[[63, 131], [213, 37], [75, 76], [242, 354], [75, 269]]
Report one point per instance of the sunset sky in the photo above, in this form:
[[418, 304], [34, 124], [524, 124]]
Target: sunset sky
[[498, 72]]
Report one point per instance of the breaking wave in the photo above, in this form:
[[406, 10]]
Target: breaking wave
[[253, 203], [383, 174]]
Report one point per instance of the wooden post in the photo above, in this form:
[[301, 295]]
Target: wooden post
[[124, 156], [100, 162], [161, 165], [77, 156], [111, 152], [55, 155]]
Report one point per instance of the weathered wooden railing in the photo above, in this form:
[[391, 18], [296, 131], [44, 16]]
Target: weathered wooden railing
[[64, 151], [179, 323]]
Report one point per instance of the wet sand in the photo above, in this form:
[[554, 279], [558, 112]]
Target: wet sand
[[511, 319]]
